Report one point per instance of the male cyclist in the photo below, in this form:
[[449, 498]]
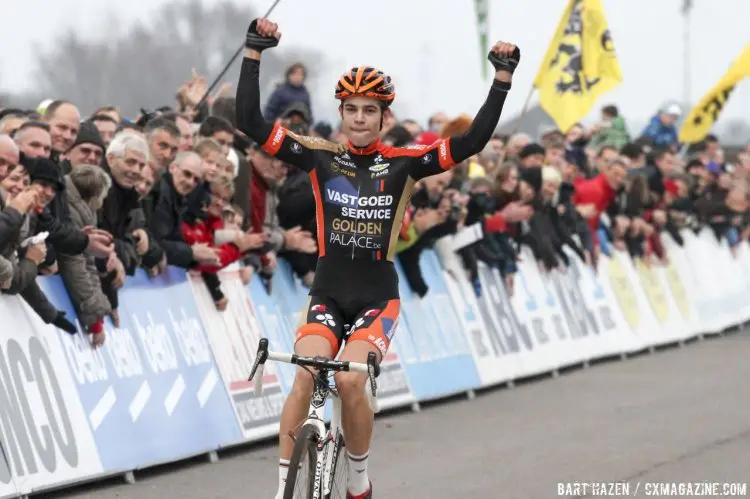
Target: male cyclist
[[361, 190]]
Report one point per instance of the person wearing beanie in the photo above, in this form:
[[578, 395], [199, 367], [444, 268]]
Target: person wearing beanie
[[532, 177], [46, 179], [323, 130], [532, 156], [87, 149]]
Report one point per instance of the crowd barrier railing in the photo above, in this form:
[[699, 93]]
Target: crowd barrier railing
[[171, 381]]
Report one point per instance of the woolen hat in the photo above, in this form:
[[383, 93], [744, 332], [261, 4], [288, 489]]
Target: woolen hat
[[44, 169], [532, 176], [88, 134]]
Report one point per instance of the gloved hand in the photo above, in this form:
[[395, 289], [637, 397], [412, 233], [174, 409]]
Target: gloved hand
[[64, 324], [504, 57], [255, 41]]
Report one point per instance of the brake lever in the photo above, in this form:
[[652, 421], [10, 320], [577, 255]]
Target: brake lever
[[373, 371], [260, 358]]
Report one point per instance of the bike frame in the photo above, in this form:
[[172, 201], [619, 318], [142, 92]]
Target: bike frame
[[325, 457]]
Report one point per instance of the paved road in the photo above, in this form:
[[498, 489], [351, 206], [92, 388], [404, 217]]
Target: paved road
[[678, 415]]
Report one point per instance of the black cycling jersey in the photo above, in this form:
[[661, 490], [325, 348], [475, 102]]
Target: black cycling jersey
[[360, 193]]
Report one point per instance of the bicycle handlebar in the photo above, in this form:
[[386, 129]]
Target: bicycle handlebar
[[371, 368]]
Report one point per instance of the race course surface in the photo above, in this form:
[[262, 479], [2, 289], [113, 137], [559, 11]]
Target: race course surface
[[679, 415]]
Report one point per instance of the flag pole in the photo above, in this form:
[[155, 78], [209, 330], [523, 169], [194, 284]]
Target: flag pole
[[230, 62]]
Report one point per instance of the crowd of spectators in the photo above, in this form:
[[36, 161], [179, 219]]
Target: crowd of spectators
[[95, 198]]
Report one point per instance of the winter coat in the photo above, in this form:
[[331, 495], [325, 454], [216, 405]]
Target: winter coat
[[660, 134], [284, 96], [15, 228], [79, 272], [166, 223], [615, 135]]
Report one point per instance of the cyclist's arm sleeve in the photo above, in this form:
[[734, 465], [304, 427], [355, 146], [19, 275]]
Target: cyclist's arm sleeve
[[447, 153], [273, 138]]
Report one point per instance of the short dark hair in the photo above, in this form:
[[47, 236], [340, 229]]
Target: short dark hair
[[34, 124], [53, 107], [214, 124], [611, 110], [659, 154], [162, 123], [711, 138], [294, 67], [104, 117], [225, 107], [631, 150]]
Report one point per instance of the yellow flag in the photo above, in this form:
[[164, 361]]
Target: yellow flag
[[704, 115], [580, 64]]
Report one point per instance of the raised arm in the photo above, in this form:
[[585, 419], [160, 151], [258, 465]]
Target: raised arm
[[505, 58], [452, 151], [273, 138], [249, 116]]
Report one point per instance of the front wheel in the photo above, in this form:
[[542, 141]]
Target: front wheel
[[300, 481], [339, 471]]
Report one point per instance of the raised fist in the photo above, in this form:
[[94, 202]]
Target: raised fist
[[504, 56], [262, 34]]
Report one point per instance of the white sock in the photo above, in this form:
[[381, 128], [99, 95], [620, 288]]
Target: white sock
[[283, 470], [357, 482]]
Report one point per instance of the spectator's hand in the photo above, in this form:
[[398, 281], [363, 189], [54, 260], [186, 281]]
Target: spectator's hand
[[516, 212], [50, 270], [141, 237], [112, 262], [300, 240], [586, 210], [37, 253], [98, 339], [6, 284], [119, 280], [619, 244], [246, 275], [587, 258], [271, 256], [308, 279], [25, 201], [100, 242], [660, 217], [115, 316], [204, 254], [510, 284], [193, 91], [425, 218], [622, 224], [221, 305], [247, 242], [64, 324]]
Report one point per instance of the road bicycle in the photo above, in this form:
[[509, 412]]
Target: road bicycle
[[320, 450]]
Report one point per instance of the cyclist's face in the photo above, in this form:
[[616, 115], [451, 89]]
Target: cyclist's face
[[360, 119]]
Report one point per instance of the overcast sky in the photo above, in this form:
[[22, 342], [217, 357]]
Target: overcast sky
[[431, 47]]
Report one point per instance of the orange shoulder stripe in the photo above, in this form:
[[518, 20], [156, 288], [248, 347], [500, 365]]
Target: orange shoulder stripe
[[273, 144]]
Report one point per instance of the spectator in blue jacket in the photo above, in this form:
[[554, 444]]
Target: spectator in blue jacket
[[662, 130], [292, 91]]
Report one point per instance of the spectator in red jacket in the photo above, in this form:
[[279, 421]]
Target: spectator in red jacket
[[593, 196]]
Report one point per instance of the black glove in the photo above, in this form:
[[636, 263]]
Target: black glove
[[505, 63], [64, 324], [257, 42]]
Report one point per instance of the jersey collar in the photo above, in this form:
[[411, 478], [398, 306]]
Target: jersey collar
[[365, 151]]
